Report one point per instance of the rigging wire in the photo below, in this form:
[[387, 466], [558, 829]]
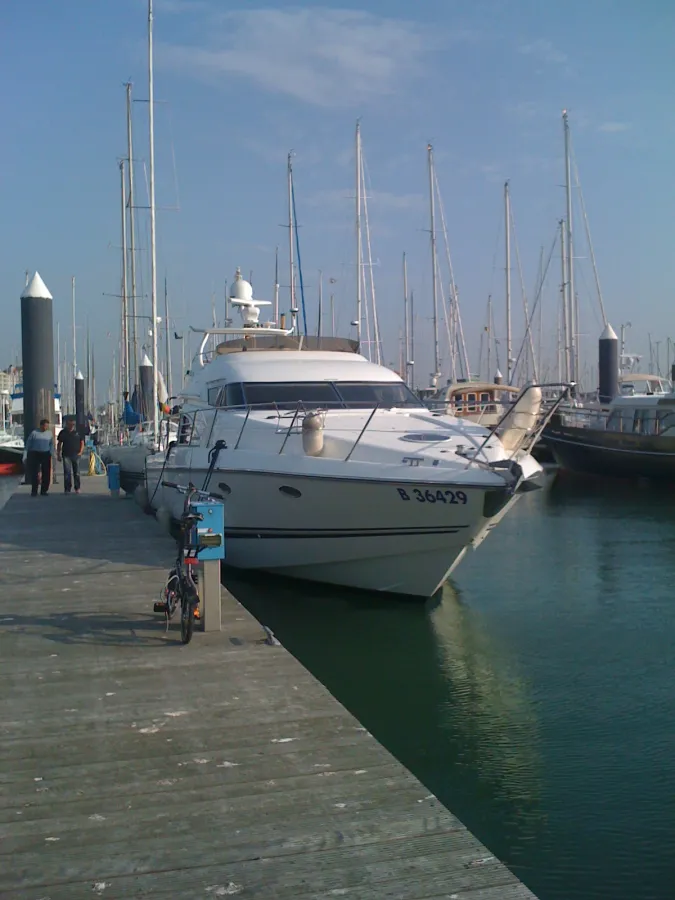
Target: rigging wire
[[588, 238], [528, 328], [297, 251], [538, 296]]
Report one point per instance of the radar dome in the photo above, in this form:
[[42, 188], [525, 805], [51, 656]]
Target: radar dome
[[241, 289]]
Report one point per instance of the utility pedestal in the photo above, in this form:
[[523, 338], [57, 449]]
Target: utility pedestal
[[209, 594], [209, 541]]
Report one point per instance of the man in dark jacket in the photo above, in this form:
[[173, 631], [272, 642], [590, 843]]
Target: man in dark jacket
[[69, 447]]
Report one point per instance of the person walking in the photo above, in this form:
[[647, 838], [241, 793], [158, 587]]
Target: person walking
[[69, 448], [39, 449]]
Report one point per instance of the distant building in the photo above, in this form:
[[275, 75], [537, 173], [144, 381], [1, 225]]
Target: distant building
[[9, 377]]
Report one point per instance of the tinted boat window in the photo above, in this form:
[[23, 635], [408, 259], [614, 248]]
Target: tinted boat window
[[287, 395], [360, 395]]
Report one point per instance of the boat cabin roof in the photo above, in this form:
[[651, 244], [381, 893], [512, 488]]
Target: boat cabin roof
[[291, 366], [640, 401], [258, 340], [479, 387]]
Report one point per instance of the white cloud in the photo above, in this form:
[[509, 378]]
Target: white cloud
[[614, 127], [543, 51], [325, 57]]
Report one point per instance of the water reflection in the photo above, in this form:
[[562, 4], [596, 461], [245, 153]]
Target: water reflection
[[488, 714], [432, 684]]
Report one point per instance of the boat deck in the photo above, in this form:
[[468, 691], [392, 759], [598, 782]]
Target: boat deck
[[135, 767]]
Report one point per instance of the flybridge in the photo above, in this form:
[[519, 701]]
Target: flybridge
[[255, 335]]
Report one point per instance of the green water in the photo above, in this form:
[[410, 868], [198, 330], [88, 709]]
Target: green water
[[537, 699]]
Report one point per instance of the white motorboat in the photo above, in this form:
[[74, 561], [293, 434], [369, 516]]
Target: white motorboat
[[11, 434], [331, 469], [11, 449], [132, 444]]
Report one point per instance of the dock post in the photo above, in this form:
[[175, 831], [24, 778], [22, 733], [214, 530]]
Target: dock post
[[209, 594], [37, 345], [80, 413]]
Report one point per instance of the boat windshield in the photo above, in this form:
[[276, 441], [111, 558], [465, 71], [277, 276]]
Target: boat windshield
[[325, 394]]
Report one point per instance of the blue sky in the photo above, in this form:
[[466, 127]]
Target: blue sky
[[485, 81]]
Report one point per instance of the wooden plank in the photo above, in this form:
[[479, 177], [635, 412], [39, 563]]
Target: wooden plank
[[131, 766]]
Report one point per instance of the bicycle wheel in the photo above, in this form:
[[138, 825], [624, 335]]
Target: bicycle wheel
[[171, 594], [187, 614]]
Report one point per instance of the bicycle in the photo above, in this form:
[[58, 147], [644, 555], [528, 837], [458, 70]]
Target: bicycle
[[182, 583]]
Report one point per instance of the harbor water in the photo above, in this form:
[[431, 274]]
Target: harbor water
[[536, 697]]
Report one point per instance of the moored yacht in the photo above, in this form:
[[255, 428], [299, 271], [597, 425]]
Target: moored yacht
[[330, 468], [632, 436], [11, 435]]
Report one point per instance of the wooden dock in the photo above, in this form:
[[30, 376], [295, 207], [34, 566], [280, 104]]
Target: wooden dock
[[131, 766]]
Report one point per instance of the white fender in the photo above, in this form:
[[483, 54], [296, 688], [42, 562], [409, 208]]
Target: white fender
[[312, 433], [521, 418]]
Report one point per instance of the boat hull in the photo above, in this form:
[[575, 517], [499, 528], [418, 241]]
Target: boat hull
[[131, 460], [11, 459], [376, 535], [614, 454]]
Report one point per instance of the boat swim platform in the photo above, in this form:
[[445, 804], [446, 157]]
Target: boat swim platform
[[132, 766]]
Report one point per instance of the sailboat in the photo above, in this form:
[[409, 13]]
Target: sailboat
[[146, 436]]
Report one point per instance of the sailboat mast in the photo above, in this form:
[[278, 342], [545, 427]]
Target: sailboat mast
[[153, 233], [359, 260], [371, 278], [125, 308], [168, 340], [276, 287], [87, 383], [564, 313], [406, 323], [571, 307], [133, 361], [412, 341], [318, 330], [489, 342], [291, 262], [58, 367], [72, 380], [434, 268], [507, 220]]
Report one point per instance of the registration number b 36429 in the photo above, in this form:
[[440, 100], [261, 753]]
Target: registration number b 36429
[[432, 496]]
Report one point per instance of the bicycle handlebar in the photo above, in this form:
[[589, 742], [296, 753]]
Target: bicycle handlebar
[[190, 489]]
